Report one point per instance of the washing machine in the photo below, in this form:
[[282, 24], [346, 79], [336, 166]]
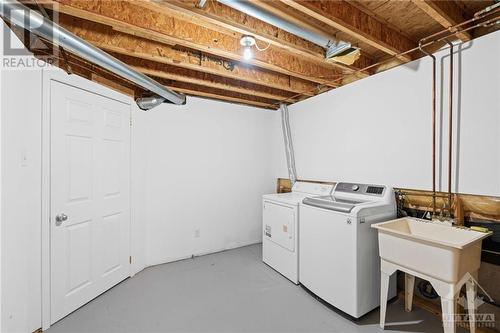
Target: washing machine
[[280, 226], [338, 255]]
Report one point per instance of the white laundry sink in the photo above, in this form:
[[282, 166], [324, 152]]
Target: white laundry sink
[[440, 251]]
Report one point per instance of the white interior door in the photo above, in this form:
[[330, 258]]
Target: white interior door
[[90, 196]]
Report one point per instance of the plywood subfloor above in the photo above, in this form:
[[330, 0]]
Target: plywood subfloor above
[[197, 50]]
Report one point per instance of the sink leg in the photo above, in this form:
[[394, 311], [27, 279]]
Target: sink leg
[[448, 309], [384, 290], [471, 307], [409, 287]]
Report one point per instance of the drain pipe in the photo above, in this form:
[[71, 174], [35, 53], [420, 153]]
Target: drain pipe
[[287, 136], [433, 126], [20, 15], [332, 46]]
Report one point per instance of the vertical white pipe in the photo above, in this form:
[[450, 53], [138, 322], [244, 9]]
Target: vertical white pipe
[[287, 137]]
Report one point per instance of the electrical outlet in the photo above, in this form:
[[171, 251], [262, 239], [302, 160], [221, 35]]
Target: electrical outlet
[[24, 159], [197, 233]]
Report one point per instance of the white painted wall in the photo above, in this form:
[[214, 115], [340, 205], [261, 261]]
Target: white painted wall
[[207, 165], [2, 29], [204, 166], [21, 187], [186, 162], [20, 225], [378, 129], [21, 179]]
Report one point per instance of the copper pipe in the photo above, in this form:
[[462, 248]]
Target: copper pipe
[[453, 29], [433, 126], [450, 125], [437, 195], [489, 22], [420, 47], [486, 10]]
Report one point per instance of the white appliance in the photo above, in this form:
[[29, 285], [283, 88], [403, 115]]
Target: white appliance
[[280, 227], [338, 255]]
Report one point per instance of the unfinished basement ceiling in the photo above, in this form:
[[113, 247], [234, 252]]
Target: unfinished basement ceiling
[[197, 51]]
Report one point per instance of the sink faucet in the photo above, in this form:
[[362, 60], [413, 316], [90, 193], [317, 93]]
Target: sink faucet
[[444, 215]]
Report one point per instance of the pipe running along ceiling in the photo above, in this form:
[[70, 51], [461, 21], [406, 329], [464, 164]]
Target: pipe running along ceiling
[[333, 47], [19, 15]]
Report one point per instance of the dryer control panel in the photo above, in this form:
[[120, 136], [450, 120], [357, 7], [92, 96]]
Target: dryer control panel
[[377, 190]]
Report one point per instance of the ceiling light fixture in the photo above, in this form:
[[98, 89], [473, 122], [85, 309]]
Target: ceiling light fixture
[[247, 42]]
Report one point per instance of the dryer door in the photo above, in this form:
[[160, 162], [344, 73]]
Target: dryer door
[[279, 224]]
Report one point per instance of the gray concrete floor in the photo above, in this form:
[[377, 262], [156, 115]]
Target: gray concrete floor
[[232, 291]]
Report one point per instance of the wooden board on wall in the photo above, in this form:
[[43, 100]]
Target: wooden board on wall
[[473, 206]]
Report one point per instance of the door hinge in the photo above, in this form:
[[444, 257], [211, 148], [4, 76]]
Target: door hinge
[[130, 122], [130, 259]]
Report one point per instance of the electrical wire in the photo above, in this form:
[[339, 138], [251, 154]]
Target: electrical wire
[[261, 49]]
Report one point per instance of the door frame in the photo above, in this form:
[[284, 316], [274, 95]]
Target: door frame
[[49, 75]]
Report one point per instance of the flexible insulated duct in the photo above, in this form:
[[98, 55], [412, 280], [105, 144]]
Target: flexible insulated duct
[[23, 17], [287, 136]]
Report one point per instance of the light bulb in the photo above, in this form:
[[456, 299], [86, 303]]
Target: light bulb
[[247, 53]]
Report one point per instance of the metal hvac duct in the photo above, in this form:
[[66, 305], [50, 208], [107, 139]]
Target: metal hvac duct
[[287, 137], [147, 103], [332, 46], [23, 17]]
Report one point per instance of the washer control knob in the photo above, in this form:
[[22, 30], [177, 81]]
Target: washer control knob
[[355, 187]]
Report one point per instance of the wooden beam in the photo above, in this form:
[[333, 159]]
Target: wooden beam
[[180, 87], [89, 71], [111, 40], [307, 22], [358, 24], [95, 73], [446, 13], [170, 72], [223, 95], [224, 98], [113, 84], [120, 85], [219, 16], [172, 30], [276, 8]]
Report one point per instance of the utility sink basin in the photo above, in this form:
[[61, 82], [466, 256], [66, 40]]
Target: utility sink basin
[[440, 251]]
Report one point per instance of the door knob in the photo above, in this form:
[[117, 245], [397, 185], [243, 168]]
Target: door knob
[[61, 218]]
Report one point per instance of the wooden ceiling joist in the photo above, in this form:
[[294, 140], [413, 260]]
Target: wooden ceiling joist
[[349, 19], [214, 14], [197, 51], [289, 14], [172, 30], [446, 13], [224, 95], [170, 72], [97, 74], [113, 84], [111, 40]]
